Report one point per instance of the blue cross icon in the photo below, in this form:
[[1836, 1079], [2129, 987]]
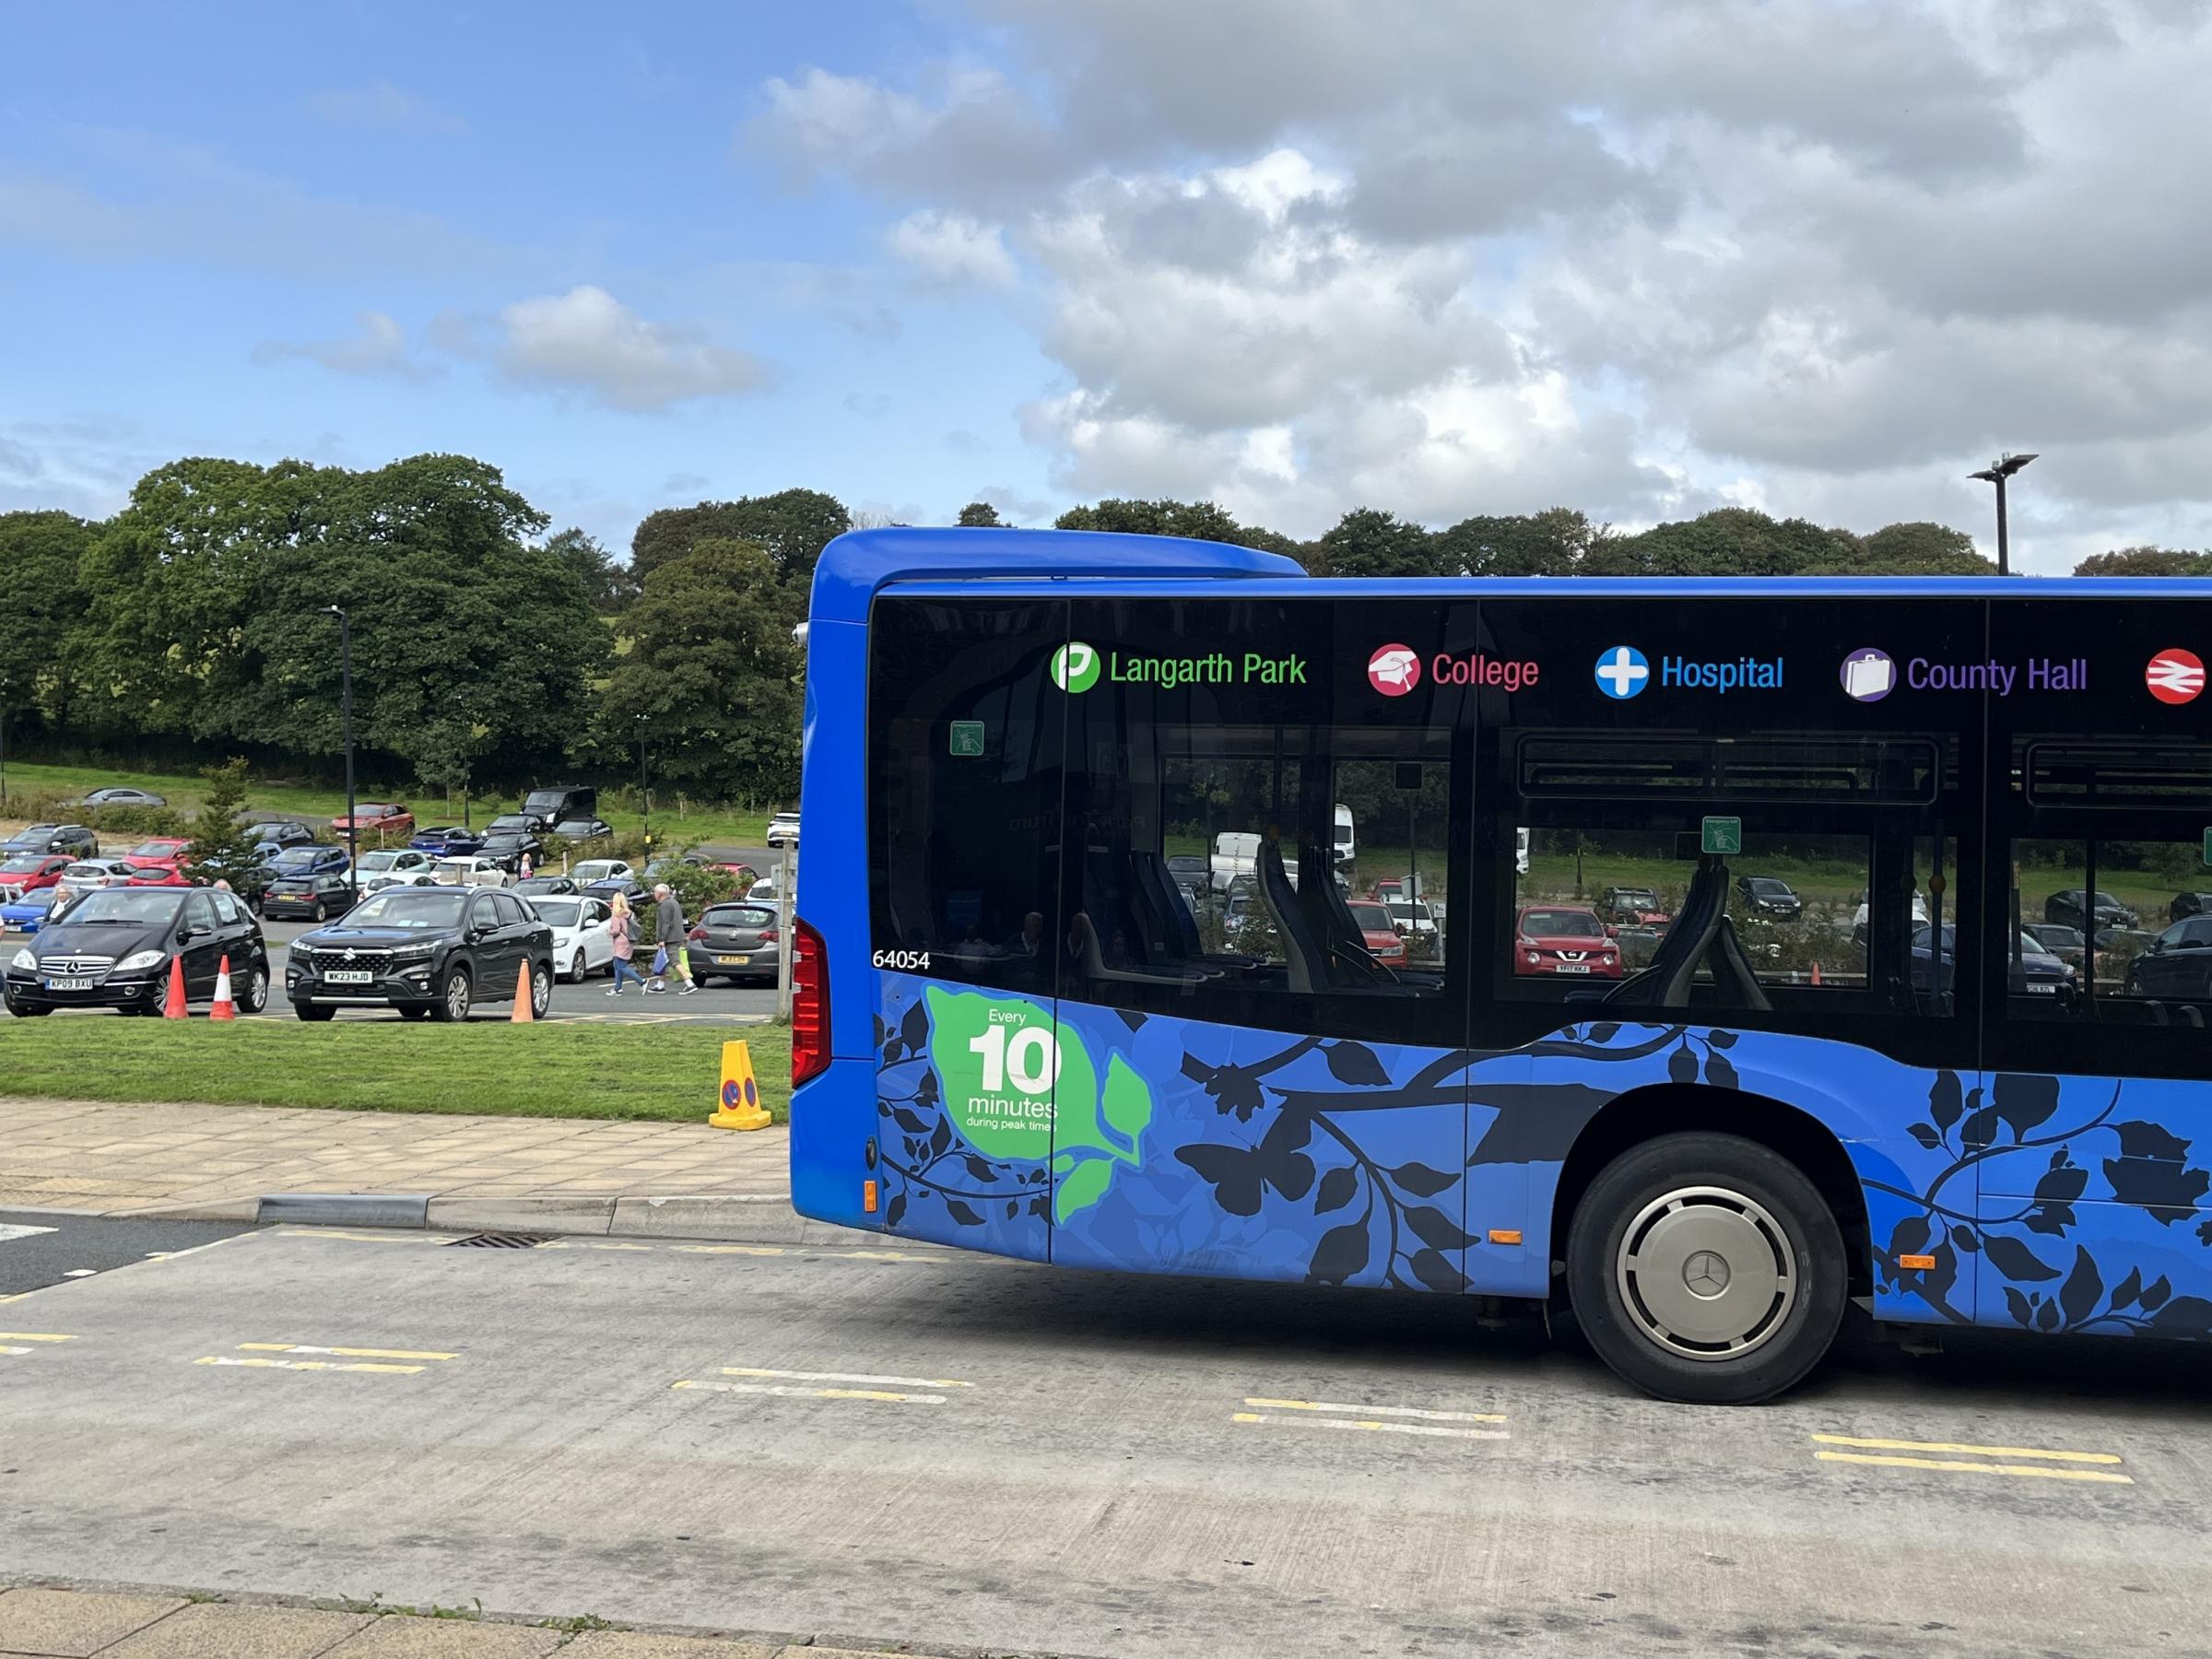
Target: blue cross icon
[[1622, 673]]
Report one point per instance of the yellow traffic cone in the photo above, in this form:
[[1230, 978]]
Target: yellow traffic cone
[[521, 1014], [741, 1107]]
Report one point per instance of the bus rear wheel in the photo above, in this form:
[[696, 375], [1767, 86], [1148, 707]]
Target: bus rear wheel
[[1706, 1268]]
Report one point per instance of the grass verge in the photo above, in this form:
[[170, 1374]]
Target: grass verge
[[663, 1074]]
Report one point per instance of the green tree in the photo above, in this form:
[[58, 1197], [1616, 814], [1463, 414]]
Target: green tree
[[979, 515], [1554, 541], [792, 526], [1731, 541], [2146, 561], [222, 849], [608, 582], [714, 670], [42, 554], [1369, 542], [1918, 549], [1200, 521]]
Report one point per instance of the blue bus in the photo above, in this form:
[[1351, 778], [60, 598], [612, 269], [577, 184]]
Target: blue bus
[[1860, 952]]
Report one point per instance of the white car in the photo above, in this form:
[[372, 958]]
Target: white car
[[761, 893], [90, 875], [399, 867], [601, 869], [582, 942], [784, 829], [469, 871]]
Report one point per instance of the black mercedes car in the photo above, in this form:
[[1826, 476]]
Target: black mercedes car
[[113, 948], [434, 951]]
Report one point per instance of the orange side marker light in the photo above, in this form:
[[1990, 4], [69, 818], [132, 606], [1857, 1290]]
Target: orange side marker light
[[867, 1196]]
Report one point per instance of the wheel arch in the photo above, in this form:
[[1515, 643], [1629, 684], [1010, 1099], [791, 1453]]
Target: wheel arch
[[1791, 1132]]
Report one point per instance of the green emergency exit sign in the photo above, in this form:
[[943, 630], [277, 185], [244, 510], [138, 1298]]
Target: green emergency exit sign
[[1725, 835], [967, 737]]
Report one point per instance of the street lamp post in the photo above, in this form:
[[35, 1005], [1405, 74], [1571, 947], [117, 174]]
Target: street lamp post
[[645, 789], [6, 687], [353, 831], [2004, 467]]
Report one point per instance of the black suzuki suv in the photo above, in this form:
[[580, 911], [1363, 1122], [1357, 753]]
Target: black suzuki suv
[[113, 948], [435, 950]]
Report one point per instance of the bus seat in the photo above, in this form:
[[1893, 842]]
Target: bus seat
[[1350, 963], [1665, 981], [1308, 966], [1166, 898], [1731, 969], [1094, 964]]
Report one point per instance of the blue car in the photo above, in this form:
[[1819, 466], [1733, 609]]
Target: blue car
[[448, 841], [29, 914], [306, 861]]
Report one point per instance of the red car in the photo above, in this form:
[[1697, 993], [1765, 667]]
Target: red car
[[162, 853], [377, 817], [1383, 941], [1564, 939], [28, 872], [158, 875]]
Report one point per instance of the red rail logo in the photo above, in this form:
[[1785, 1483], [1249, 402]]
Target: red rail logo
[[2175, 675]]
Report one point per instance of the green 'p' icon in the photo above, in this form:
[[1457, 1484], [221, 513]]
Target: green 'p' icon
[[1075, 666]]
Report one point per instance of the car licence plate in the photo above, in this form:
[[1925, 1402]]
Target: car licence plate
[[68, 985], [350, 976], [2041, 990], [732, 961], [1574, 967]]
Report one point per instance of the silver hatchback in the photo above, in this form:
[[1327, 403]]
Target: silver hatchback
[[737, 942]]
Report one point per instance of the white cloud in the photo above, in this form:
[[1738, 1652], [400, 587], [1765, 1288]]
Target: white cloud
[[381, 104], [588, 342], [948, 248], [378, 346]]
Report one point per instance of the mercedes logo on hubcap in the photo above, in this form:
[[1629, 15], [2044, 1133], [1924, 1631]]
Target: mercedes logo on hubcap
[[1706, 1274]]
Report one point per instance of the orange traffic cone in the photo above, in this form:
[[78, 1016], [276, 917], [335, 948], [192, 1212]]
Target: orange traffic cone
[[522, 1015], [1816, 973], [172, 1005], [222, 1008]]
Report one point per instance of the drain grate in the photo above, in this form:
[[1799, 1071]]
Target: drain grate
[[503, 1241]]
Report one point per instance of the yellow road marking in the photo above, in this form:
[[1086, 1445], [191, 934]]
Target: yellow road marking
[[349, 1353], [308, 1365], [1959, 1446], [1389, 1411], [800, 1376], [1953, 1468], [34, 1337], [817, 1394], [1372, 1426], [758, 1250], [403, 1236]]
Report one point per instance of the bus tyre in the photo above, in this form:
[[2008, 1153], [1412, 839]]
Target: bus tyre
[[1706, 1268]]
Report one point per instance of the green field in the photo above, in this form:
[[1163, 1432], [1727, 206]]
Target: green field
[[38, 788], [659, 1073]]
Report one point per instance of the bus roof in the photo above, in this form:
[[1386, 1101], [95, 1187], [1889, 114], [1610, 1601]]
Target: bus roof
[[941, 563]]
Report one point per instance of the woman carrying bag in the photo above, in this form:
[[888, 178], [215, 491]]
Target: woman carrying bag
[[623, 928]]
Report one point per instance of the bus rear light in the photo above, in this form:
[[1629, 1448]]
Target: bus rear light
[[810, 1003], [867, 1197]]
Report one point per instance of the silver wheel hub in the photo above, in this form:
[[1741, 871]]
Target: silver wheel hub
[[1707, 1273]]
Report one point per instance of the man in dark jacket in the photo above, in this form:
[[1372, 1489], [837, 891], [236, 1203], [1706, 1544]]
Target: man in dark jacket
[[668, 929]]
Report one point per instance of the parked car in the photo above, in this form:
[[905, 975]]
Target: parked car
[[508, 848], [447, 841], [2062, 942], [737, 942], [386, 819], [279, 834], [1563, 939], [92, 875], [593, 873], [582, 944], [1412, 916], [426, 951], [119, 794], [314, 898], [162, 850], [2035, 972], [24, 873], [113, 948], [73, 840], [553, 803], [1377, 931], [2189, 904], [544, 887], [784, 829], [2073, 907], [763, 892], [310, 860], [2177, 965], [1764, 898], [582, 829], [392, 867], [1630, 907], [162, 875], [28, 913], [1187, 869], [516, 823], [470, 871], [1858, 919]]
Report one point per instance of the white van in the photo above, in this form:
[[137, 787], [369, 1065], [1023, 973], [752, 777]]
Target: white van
[[1236, 853], [1346, 845]]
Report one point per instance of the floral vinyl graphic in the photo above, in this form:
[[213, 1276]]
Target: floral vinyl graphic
[[1106, 1138]]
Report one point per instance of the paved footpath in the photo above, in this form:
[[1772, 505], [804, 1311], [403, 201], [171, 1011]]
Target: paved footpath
[[547, 1175], [77, 1624]]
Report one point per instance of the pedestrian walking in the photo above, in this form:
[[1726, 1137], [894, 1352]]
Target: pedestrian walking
[[671, 959], [622, 927]]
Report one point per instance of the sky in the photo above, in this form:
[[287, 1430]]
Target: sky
[[1820, 257]]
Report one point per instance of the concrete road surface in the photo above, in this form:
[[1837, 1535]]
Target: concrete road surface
[[948, 1450]]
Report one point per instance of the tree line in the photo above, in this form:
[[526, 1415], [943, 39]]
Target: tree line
[[195, 621]]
